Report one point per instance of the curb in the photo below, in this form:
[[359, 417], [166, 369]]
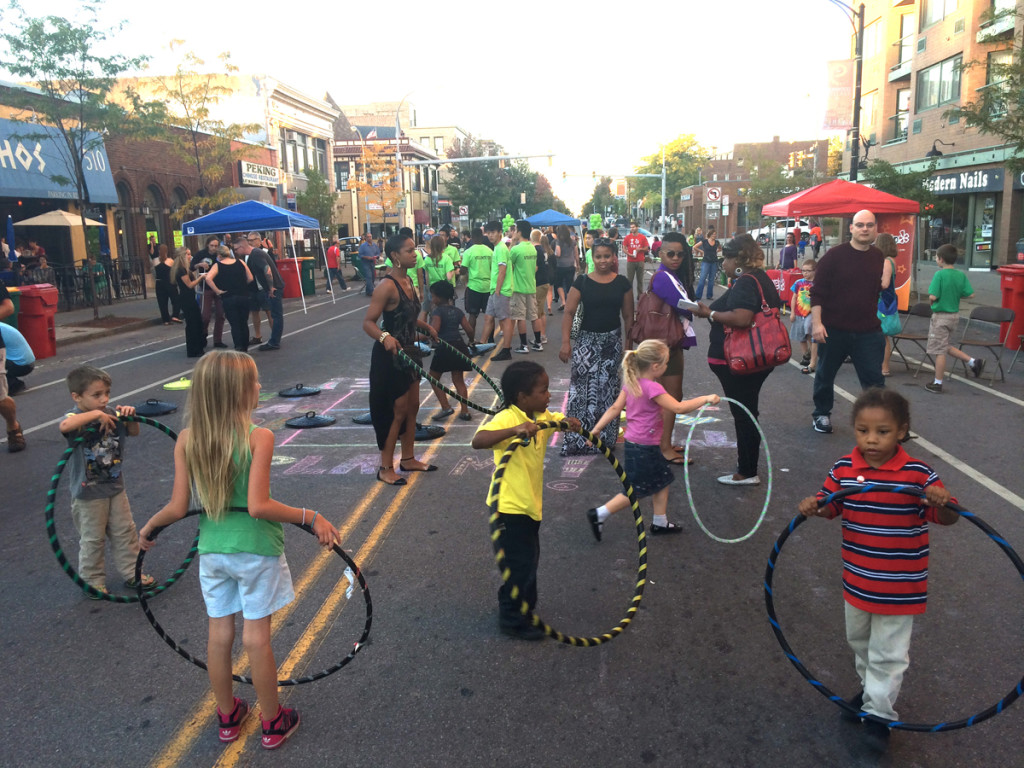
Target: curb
[[105, 332]]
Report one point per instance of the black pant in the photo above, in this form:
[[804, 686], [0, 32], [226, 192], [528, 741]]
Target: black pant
[[746, 390], [236, 312], [167, 293], [14, 373], [195, 331], [521, 542]]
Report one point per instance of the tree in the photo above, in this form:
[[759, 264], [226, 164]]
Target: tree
[[317, 201], [907, 184], [62, 60], [771, 180], [486, 187], [683, 158], [602, 199], [207, 143], [375, 179], [998, 108]]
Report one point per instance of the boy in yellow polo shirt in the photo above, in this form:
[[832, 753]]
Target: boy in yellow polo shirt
[[525, 388]]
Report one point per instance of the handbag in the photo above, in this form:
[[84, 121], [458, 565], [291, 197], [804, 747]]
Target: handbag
[[760, 347], [888, 307], [654, 319]]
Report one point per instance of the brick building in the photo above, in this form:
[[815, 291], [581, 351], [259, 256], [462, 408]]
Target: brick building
[[913, 52]]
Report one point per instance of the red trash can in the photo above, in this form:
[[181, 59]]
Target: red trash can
[[36, 318], [1011, 284], [789, 277], [290, 275], [778, 279]]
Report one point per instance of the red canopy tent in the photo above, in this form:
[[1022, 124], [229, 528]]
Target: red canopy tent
[[839, 198], [895, 215]]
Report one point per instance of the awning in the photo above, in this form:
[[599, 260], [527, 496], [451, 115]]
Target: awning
[[30, 159], [247, 216]]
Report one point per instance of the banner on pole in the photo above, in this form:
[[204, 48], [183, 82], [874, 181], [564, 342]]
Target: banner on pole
[[839, 110]]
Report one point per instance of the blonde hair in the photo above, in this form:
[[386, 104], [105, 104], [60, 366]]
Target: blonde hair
[[638, 361], [437, 245], [537, 238], [180, 265], [220, 404]]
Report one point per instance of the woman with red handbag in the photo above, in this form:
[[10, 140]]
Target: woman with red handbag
[[738, 308]]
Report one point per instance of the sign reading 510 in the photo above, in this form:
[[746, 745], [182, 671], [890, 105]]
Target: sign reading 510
[[94, 160]]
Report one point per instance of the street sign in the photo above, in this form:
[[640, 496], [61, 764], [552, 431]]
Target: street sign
[[463, 210], [712, 206], [714, 193]]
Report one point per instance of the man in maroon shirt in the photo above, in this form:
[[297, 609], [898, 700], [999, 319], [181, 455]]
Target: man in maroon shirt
[[636, 247], [844, 319]]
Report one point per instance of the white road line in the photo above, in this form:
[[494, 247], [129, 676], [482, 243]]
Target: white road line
[[959, 464], [178, 375]]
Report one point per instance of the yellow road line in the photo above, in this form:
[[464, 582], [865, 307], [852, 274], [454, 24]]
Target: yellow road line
[[199, 718]]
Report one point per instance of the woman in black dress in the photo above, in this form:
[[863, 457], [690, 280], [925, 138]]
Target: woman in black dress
[[166, 290], [394, 386], [182, 277], [229, 278], [595, 377]]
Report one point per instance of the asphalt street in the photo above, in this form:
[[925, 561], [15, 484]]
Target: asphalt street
[[697, 679]]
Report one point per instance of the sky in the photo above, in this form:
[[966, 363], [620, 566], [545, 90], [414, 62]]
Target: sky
[[601, 85]]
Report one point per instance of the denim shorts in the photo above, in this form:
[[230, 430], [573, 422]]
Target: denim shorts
[[647, 469], [256, 585]]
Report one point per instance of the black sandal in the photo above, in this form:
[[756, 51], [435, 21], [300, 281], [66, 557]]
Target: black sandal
[[661, 530], [428, 468], [399, 481]]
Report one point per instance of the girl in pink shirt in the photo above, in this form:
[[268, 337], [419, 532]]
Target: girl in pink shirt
[[643, 399]]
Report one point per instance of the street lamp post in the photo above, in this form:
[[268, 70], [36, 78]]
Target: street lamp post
[[856, 17]]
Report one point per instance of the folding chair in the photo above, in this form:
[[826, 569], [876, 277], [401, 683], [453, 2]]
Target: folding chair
[[993, 316], [922, 310]]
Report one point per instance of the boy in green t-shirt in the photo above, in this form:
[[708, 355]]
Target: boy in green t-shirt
[[476, 261], [947, 288], [523, 306]]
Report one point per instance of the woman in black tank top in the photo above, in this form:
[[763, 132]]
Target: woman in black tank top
[[229, 278], [395, 387]]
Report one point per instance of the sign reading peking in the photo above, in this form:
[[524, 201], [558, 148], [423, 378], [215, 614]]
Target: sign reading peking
[[257, 175]]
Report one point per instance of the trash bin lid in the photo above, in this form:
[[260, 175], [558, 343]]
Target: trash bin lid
[[182, 383], [310, 421], [429, 432], [299, 390], [154, 407]]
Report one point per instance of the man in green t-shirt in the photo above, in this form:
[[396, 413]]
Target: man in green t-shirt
[[452, 252], [476, 261], [501, 293], [523, 306], [948, 286]]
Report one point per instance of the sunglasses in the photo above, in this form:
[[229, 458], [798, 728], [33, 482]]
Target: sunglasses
[[663, 253]]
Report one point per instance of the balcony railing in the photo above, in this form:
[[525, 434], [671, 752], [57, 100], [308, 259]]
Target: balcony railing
[[998, 103]]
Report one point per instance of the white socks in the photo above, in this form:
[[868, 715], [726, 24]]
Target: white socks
[[661, 520], [602, 514]]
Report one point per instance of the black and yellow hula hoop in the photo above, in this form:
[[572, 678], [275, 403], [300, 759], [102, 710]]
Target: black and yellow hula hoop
[[352, 571], [58, 550], [455, 395], [494, 522]]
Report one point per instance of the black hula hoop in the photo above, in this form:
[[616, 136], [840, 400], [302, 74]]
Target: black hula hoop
[[51, 528], [499, 552], [820, 687], [455, 395], [349, 562]]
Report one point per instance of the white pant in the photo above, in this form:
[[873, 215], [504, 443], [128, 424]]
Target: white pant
[[881, 646]]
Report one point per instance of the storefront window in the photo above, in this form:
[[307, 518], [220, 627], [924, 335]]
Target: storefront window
[[969, 223], [984, 226], [949, 221]]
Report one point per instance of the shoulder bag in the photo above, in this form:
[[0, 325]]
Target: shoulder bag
[[761, 346], [654, 319], [888, 306]]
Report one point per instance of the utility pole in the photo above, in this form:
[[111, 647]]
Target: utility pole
[[856, 17]]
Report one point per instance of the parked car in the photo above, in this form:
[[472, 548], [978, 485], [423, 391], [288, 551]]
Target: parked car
[[781, 228], [349, 248]]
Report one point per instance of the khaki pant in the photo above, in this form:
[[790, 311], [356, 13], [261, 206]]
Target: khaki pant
[[881, 646], [635, 273], [98, 520]]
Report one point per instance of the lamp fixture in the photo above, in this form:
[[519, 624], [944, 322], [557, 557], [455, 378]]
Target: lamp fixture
[[144, 210], [935, 151]]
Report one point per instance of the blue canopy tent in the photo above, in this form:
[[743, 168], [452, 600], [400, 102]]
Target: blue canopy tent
[[552, 218], [251, 216]]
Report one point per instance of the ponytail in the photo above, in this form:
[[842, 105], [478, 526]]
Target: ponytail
[[636, 362]]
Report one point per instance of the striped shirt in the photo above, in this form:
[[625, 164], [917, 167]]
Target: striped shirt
[[885, 535]]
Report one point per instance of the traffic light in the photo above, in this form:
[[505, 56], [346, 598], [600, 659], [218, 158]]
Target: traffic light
[[792, 160], [593, 174], [563, 175]]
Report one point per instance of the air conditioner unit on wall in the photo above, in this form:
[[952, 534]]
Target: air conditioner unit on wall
[[291, 137]]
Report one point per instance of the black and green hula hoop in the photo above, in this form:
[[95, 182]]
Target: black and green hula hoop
[[494, 522], [351, 568], [455, 395], [58, 550], [820, 687]]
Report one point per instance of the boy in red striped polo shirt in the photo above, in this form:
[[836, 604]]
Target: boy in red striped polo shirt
[[885, 549]]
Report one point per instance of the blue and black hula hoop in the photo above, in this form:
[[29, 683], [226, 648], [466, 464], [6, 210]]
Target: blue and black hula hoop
[[494, 522], [451, 393], [58, 550], [820, 687], [351, 568]]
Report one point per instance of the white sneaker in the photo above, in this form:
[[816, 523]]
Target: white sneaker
[[522, 350], [536, 347], [728, 480]]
